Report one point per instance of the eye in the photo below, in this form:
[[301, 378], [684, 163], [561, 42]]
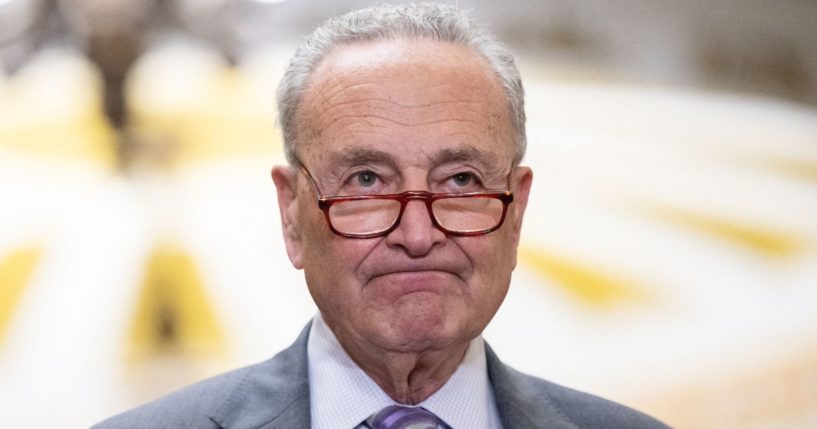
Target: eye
[[364, 181], [366, 178], [463, 179]]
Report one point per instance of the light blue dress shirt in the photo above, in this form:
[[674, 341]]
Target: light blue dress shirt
[[343, 396]]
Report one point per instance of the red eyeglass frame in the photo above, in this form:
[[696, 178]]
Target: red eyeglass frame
[[325, 203]]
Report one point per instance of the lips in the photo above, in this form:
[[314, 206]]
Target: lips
[[400, 278], [423, 285], [415, 276], [411, 269], [393, 272]]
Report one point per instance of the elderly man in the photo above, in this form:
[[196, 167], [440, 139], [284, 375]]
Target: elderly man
[[403, 202]]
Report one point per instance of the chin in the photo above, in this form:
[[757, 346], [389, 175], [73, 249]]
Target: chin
[[424, 330]]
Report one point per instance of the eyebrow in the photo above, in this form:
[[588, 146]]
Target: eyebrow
[[464, 153], [357, 155], [467, 153]]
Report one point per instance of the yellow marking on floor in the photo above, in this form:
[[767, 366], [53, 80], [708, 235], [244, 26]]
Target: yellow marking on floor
[[16, 270], [89, 138], [173, 314], [590, 285], [805, 169], [758, 238]]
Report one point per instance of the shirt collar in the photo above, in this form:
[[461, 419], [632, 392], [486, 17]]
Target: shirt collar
[[342, 395]]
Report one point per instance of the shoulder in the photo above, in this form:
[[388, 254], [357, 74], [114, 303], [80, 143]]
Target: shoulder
[[190, 407], [248, 397], [583, 409], [525, 400]]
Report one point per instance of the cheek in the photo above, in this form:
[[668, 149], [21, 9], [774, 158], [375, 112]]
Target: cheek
[[333, 279], [492, 257], [488, 280], [332, 261], [318, 240], [495, 267]]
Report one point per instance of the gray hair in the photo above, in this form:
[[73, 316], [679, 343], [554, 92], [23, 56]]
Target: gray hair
[[414, 21]]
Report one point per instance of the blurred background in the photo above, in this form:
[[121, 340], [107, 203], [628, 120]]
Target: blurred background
[[669, 256]]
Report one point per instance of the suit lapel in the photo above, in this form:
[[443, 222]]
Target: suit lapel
[[520, 403], [274, 394]]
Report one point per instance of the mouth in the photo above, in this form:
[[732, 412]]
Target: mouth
[[415, 280]]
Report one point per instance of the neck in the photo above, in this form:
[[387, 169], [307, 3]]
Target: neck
[[407, 377]]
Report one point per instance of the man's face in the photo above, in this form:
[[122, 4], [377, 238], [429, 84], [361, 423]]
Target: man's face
[[388, 117]]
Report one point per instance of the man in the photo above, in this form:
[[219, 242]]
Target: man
[[403, 204]]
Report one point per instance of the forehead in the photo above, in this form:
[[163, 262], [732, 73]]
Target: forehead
[[411, 100]]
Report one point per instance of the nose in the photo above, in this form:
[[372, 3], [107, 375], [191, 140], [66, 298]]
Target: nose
[[416, 232]]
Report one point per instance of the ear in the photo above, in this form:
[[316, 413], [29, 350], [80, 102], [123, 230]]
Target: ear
[[286, 185], [522, 179]]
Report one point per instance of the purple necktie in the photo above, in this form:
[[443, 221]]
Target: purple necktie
[[400, 417]]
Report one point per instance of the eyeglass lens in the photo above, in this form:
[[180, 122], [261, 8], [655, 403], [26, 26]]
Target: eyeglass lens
[[459, 214]]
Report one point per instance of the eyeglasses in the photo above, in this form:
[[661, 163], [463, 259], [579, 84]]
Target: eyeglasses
[[369, 216]]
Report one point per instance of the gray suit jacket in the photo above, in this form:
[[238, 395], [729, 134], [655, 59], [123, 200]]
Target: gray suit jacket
[[275, 394]]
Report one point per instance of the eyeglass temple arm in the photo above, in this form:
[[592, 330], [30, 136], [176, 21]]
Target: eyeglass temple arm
[[311, 179]]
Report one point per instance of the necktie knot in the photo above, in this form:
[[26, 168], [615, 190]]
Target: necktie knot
[[400, 417]]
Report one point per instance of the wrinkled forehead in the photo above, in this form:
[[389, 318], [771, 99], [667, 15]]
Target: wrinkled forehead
[[411, 100]]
